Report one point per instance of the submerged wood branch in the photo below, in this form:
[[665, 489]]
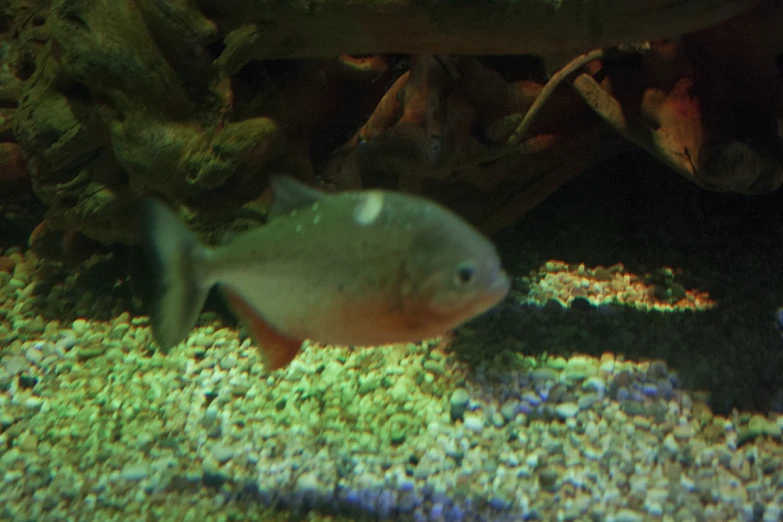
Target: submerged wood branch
[[176, 98], [298, 28]]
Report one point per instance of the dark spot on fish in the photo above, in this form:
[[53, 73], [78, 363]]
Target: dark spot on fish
[[340, 287]]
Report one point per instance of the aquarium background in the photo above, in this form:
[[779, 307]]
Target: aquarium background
[[633, 373]]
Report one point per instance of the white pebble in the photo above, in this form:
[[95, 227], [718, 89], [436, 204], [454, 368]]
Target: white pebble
[[772, 513], [587, 400], [33, 355], [627, 515], [670, 444], [687, 483], [474, 423], [654, 508], [566, 410], [222, 453], [79, 326], [307, 482], [596, 384], [136, 471], [33, 403], [12, 476], [228, 362]]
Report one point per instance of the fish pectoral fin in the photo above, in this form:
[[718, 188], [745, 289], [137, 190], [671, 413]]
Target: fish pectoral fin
[[276, 349]]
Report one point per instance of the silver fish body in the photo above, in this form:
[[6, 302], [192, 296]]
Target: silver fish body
[[353, 268]]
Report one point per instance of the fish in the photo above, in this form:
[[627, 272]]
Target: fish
[[352, 268]]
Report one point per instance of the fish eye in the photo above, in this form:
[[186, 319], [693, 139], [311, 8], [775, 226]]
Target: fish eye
[[465, 272]]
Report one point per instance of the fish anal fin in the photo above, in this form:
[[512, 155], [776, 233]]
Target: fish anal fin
[[276, 349]]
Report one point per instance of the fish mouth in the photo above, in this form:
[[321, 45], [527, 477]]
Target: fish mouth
[[502, 283], [498, 288]]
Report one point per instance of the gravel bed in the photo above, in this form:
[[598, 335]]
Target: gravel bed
[[501, 422], [96, 424]]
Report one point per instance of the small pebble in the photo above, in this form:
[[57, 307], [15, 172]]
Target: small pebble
[[682, 431], [135, 471], [458, 402], [474, 423], [308, 482], [33, 403], [587, 400], [378, 429], [228, 362], [509, 410], [7, 264], [223, 453], [434, 367], [15, 364], [544, 374], [670, 443], [566, 410], [628, 515], [34, 355]]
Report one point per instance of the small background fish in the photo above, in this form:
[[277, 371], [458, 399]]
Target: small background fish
[[354, 268]]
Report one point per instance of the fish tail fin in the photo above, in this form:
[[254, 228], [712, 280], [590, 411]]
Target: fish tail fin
[[179, 261]]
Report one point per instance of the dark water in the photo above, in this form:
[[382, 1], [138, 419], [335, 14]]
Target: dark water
[[636, 212]]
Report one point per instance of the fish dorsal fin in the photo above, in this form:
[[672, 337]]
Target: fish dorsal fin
[[289, 194], [276, 349]]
